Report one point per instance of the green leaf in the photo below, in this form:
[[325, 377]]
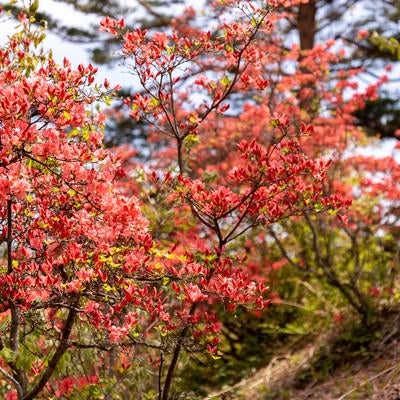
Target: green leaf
[[225, 81], [24, 360], [318, 207], [34, 7], [165, 280], [7, 354], [66, 115], [85, 134], [229, 48], [107, 100], [154, 102], [170, 49], [151, 395]]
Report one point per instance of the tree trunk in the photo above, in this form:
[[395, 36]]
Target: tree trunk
[[307, 24]]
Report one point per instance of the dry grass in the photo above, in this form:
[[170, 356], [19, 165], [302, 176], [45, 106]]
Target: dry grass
[[375, 376]]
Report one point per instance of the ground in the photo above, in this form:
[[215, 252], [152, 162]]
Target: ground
[[356, 361]]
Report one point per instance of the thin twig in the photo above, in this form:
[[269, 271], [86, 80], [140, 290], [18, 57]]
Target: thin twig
[[14, 381], [368, 381]]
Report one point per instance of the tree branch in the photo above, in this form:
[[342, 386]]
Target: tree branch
[[14, 381], [61, 349]]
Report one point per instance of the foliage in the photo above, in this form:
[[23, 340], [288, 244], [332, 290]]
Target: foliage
[[305, 23], [115, 272]]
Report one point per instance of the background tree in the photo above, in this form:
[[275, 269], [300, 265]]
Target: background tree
[[318, 20]]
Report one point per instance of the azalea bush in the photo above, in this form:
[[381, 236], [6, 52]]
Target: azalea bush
[[112, 269]]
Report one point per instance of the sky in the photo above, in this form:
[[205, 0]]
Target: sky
[[78, 53]]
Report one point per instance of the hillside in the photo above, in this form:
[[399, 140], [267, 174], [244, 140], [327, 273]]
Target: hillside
[[356, 361]]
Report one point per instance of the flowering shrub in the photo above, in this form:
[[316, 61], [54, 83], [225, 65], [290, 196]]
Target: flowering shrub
[[108, 265]]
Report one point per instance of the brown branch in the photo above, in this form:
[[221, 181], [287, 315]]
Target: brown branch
[[145, 4], [213, 106], [9, 236], [331, 274], [281, 247], [71, 186], [18, 375], [175, 356], [181, 338], [160, 376], [61, 349], [236, 76], [230, 236], [17, 385]]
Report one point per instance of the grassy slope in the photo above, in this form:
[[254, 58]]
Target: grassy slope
[[353, 361]]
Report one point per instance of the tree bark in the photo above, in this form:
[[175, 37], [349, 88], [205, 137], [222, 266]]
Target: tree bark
[[307, 24]]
